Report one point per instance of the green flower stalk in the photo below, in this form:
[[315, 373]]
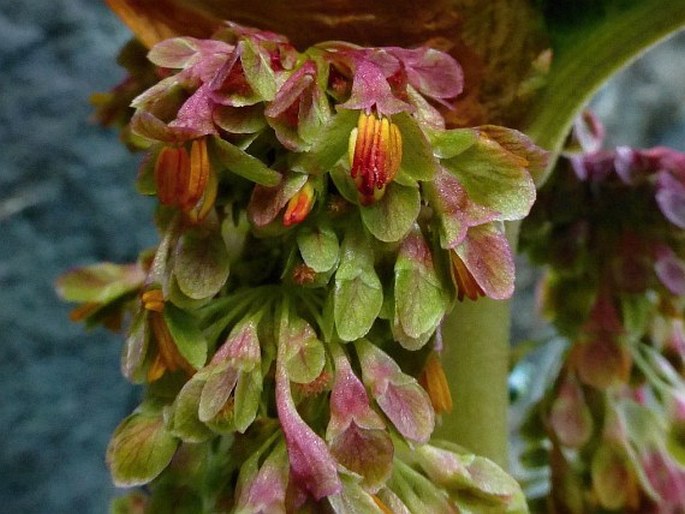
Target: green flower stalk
[[318, 220]]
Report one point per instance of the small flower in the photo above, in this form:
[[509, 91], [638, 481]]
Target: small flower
[[356, 434], [602, 358], [375, 152], [303, 274], [300, 108], [613, 478], [451, 467], [101, 290], [234, 367], [370, 88], [570, 417], [398, 395], [299, 206], [667, 478]]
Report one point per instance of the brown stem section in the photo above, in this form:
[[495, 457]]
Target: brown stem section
[[371, 23]]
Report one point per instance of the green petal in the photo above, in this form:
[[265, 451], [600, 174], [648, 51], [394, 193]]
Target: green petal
[[330, 146], [135, 348], [216, 391], [258, 70], [417, 154], [450, 143], [304, 353], [248, 393], [185, 421], [340, 175], [420, 301], [319, 248], [358, 293]]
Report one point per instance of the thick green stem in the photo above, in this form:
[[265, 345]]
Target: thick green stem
[[586, 56], [476, 360]]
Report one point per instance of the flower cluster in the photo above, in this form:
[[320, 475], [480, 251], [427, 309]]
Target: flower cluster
[[318, 219], [610, 224]]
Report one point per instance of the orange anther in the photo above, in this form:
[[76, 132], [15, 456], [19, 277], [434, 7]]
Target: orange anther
[[463, 279]]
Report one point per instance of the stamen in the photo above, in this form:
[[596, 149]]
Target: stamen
[[465, 283], [171, 165], [384, 508], [434, 381], [375, 153], [153, 300]]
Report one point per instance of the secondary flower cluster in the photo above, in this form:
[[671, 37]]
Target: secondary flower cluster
[[610, 224], [318, 219]]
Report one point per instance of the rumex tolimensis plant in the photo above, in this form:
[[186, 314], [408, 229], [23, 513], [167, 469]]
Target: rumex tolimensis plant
[[323, 208]]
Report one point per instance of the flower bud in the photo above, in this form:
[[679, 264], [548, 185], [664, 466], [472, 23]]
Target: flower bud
[[171, 165], [299, 206], [186, 180]]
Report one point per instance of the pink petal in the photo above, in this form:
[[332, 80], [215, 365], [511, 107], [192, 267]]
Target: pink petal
[[485, 252], [670, 197], [370, 88], [312, 465], [670, 270], [196, 113], [349, 401], [266, 493], [292, 89], [456, 211], [433, 73], [398, 395]]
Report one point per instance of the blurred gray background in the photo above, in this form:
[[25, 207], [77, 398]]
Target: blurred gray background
[[67, 199]]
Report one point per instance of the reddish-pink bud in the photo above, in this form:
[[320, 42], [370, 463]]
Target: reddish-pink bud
[[299, 206]]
